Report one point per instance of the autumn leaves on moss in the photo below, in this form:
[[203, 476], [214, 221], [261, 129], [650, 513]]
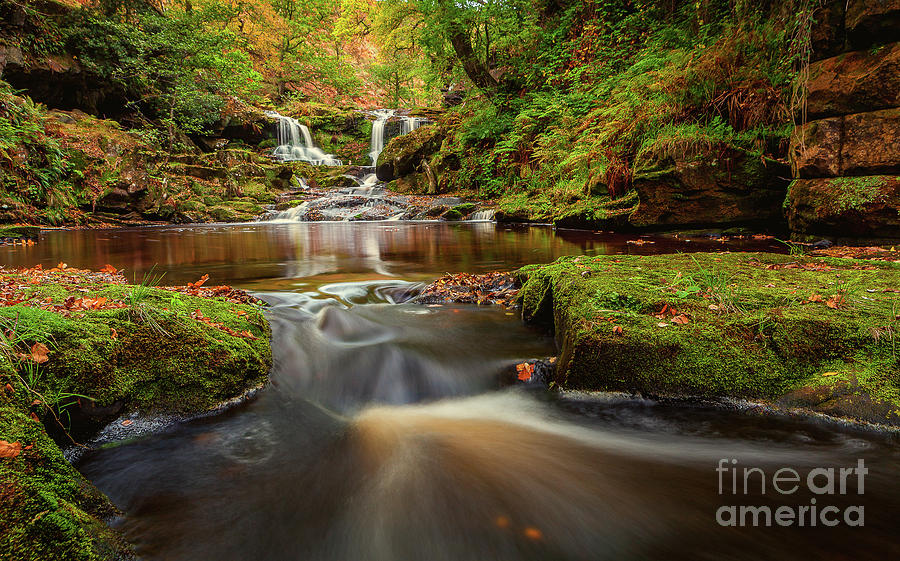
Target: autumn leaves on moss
[[729, 325]]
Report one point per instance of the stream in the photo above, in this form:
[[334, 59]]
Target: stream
[[386, 434]]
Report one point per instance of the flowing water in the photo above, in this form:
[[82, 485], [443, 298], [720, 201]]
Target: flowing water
[[295, 142], [386, 435]]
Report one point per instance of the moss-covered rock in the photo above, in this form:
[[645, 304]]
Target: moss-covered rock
[[757, 326], [845, 207], [727, 188], [47, 509], [128, 349], [404, 154]]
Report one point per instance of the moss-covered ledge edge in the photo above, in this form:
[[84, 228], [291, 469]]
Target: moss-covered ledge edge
[[127, 348], [793, 331]]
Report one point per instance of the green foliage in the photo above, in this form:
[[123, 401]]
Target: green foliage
[[180, 67], [35, 170], [595, 91]]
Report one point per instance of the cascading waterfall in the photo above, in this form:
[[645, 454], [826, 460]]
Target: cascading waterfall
[[410, 124], [377, 141], [295, 143]]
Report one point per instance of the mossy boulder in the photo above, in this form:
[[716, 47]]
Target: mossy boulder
[[759, 326], [727, 188], [845, 207], [144, 349], [47, 509], [405, 154]]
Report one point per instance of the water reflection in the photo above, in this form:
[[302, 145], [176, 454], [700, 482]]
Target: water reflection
[[254, 255]]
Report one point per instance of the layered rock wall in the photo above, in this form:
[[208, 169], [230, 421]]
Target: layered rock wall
[[846, 157]]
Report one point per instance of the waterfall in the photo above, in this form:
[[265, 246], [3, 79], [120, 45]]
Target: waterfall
[[407, 125], [485, 215], [410, 124], [377, 142], [295, 142]]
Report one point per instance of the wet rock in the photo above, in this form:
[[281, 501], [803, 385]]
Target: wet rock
[[844, 145], [733, 188], [853, 207], [855, 82], [538, 372]]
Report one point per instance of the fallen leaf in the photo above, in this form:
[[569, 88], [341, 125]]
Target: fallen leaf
[[713, 307], [199, 283], [525, 371], [114, 334], [835, 302], [127, 422], [109, 269], [39, 353], [662, 324], [9, 389], [830, 373], [681, 319], [10, 449], [62, 265], [34, 417], [533, 533], [816, 298], [617, 330]]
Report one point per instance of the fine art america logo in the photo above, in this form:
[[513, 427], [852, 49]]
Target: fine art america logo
[[822, 482]]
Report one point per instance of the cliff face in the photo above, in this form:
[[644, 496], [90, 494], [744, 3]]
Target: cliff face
[[846, 158]]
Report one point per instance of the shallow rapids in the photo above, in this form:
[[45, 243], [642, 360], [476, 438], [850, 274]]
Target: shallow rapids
[[390, 433]]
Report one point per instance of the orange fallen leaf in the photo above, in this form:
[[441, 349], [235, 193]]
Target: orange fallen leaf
[[617, 330], [114, 334], [815, 298], [681, 319], [34, 417], [9, 389], [533, 533], [525, 371], [10, 449], [39, 353], [127, 422], [835, 302], [199, 283], [109, 269]]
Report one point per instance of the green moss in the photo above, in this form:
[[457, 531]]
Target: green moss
[[452, 214], [762, 338], [19, 232], [47, 509], [464, 208], [170, 362], [855, 192]]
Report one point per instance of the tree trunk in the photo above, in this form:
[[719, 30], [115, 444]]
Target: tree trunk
[[476, 70]]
